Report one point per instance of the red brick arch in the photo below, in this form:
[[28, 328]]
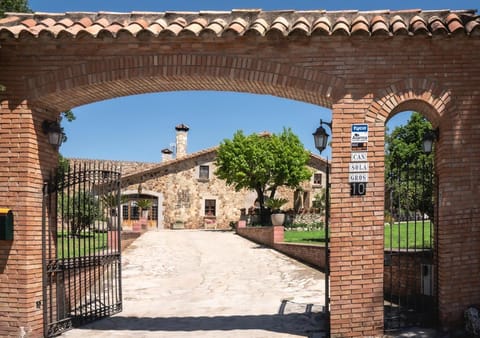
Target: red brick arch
[[365, 66], [89, 82], [415, 94]]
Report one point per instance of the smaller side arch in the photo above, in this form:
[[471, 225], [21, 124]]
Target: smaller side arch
[[421, 95]]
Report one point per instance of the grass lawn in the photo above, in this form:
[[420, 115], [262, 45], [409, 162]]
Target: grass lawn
[[87, 243], [397, 234], [311, 237], [418, 236]]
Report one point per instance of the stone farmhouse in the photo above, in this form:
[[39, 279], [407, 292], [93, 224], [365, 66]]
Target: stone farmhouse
[[185, 193]]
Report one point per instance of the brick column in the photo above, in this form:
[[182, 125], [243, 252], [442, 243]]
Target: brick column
[[356, 248], [457, 239], [25, 159]]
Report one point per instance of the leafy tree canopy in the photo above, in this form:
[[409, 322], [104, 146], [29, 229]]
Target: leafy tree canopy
[[404, 144], [409, 170], [263, 162], [20, 6]]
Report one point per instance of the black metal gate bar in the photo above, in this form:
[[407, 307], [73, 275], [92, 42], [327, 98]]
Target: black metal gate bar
[[409, 265], [81, 247]]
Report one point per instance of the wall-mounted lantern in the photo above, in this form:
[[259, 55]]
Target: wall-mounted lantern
[[429, 139], [54, 132], [320, 136]]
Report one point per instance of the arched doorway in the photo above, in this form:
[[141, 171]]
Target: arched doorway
[[411, 203], [131, 215]]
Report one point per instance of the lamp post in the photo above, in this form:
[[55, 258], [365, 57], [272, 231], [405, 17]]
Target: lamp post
[[320, 137]]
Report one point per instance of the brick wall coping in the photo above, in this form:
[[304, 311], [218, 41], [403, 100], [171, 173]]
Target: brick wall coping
[[240, 22]]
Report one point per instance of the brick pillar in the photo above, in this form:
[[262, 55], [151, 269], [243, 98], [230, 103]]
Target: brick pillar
[[457, 159], [277, 234], [25, 160], [356, 259]]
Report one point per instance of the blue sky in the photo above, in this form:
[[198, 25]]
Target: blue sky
[[137, 128]]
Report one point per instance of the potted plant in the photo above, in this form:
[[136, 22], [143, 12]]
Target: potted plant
[[275, 205], [144, 205]]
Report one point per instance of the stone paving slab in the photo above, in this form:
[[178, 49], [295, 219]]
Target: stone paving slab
[[188, 283]]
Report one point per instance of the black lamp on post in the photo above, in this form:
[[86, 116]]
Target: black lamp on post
[[54, 132], [320, 137], [429, 139]]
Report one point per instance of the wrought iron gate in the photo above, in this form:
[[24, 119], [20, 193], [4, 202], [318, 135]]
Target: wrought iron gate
[[81, 247], [409, 282]]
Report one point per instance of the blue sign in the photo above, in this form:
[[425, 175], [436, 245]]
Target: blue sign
[[359, 128]]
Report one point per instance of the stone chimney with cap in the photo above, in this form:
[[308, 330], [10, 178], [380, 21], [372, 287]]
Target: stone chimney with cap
[[167, 155], [181, 140]]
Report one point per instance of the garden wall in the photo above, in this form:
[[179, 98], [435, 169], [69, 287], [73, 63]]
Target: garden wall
[[273, 237], [402, 275]]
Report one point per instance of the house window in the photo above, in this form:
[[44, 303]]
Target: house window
[[154, 214], [130, 211], [204, 173], [210, 208], [317, 179]]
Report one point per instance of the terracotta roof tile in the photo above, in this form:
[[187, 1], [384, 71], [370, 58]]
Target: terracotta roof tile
[[279, 27], [360, 26], [379, 25], [455, 24], [237, 27], [195, 27], [259, 27], [132, 29], [418, 26], [399, 27], [436, 26], [473, 27], [321, 26], [85, 22], [67, 22], [215, 28], [248, 22], [341, 27], [301, 27], [174, 27], [29, 23]]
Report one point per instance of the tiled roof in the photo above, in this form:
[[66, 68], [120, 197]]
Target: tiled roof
[[248, 22], [164, 165], [161, 167]]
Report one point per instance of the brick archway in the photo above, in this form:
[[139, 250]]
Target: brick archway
[[98, 80], [366, 66]]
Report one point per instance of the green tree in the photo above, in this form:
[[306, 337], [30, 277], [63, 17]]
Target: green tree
[[80, 210], [408, 169], [263, 163], [20, 6]]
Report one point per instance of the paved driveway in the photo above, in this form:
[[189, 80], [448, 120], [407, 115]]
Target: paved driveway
[[211, 284]]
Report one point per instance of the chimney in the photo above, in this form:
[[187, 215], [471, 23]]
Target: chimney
[[166, 155], [181, 139]]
